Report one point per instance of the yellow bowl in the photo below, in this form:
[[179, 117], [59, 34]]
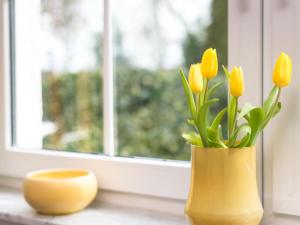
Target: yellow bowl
[[59, 191]]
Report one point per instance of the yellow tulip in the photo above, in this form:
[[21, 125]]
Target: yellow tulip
[[282, 70], [236, 82], [209, 63], [195, 78]]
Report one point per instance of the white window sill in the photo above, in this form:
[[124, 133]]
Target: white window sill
[[14, 209]]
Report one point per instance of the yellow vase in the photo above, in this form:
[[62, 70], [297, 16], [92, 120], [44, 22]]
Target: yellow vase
[[223, 188]]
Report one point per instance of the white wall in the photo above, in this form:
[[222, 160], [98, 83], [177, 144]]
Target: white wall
[[281, 138]]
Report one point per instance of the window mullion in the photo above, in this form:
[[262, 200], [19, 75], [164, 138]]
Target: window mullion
[[108, 97]]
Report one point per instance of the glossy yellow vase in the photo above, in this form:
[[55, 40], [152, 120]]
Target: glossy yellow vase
[[223, 188], [60, 191]]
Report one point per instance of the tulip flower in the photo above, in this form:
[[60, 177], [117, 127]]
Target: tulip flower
[[236, 82], [243, 124], [209, 63], [282, 70], [195, 78]]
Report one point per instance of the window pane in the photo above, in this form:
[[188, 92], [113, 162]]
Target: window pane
[[152, 40], [58, 75]]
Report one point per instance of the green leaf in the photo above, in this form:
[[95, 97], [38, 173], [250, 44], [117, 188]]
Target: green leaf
[[277, 109], [243, 141], [246, 117], [214, 138], [270, 101], [244, 128], [193, 139], [213, 88], [189, 94], [221, 133], [273, 108], [218, 119], [227, 73], [214, 132], [256, 119], [202, 94], [231, 113], [201, 119], [245, 110], [192, 123]]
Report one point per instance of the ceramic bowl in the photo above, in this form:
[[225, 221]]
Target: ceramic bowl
[[59, 191]]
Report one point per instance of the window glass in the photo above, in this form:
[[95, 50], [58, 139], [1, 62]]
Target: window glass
[[59, 102], [152, 40], [58, 72]]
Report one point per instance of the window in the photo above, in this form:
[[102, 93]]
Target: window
[[152, 40], [129, 96], [63, 75], [58, 67]]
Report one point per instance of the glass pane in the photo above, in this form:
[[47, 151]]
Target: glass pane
[[64, 91], [152, 40]]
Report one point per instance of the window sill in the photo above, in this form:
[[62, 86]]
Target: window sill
[[14, 209], [156, 178]]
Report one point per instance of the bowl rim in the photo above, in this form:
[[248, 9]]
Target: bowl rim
[[30, 175]]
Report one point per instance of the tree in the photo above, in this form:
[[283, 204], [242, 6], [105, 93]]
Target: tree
[[215, 35]]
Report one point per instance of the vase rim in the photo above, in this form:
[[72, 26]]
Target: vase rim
[[218, 149]]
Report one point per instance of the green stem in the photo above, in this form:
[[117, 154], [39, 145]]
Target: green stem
[[203, 93], [206, 89], [198, 102], [269, 116], [232, 121], [235, 114], [266, 121]]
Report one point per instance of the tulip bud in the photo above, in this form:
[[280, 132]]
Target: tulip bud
[[282, 70], [209, 63], [195, 78], [236, 82]]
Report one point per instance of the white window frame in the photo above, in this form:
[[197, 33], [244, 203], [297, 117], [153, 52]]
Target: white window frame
[[154, 178]]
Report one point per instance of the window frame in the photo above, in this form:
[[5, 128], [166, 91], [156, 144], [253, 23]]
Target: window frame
[[142, 176]]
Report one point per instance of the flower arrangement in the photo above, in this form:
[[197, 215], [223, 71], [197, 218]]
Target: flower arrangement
[[244, 124]]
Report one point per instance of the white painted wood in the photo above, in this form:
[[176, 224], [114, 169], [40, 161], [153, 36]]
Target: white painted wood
[[245, 49], [108, 84], [2, 222], [5, 118], [281, 138], [142, 176], [117, 198], [14, 209], [169, 180]]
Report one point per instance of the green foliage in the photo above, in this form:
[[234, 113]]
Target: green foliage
[[215, 130], [193, 138], [267, 106], [244, 135], [277, 109], [256, 117], [214, 35], [149, 107], [245, 110], [189, 94], [150, 114], [74, 103], [202, 119], [215, 124], [214, 88], [232, 112], [226, 72]]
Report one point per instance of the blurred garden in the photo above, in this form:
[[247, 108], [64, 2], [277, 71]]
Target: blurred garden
[[150, 106]]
